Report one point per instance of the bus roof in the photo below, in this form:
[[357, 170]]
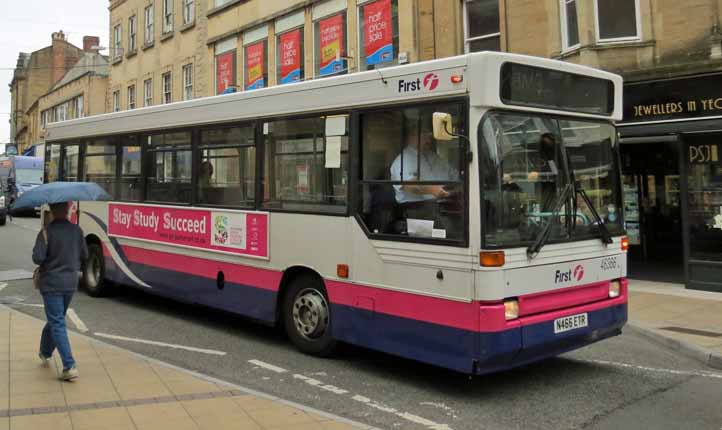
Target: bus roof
[[413, 82]]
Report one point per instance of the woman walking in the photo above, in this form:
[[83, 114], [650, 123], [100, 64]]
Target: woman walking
[[60, 251]]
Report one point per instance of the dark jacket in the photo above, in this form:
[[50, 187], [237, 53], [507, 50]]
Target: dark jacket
[[61, 258]]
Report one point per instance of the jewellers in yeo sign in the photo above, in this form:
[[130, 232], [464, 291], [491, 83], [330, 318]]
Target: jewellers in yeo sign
[[673, 99]]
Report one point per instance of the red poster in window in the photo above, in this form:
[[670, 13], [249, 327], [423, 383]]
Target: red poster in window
[[255, 55], [331, 37], [225, 73], [378, 32], [290, 46]]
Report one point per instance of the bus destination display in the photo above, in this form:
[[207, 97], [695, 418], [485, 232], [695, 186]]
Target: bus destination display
[[552, 89]]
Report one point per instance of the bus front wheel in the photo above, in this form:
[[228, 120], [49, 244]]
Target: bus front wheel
[[94, 272], [307, 316]]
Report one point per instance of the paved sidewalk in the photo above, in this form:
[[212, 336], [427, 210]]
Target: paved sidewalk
[[119, 390], [687, 320]]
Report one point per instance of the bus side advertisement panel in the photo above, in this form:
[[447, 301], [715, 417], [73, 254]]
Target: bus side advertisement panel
[[232, 232]]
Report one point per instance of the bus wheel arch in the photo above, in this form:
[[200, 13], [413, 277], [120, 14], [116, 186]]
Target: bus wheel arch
[[303, 309], [93, 280]]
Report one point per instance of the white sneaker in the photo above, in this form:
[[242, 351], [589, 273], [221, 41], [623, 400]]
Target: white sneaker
[[70, 374], [44, 361]]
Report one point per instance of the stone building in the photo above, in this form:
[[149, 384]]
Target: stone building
[[157, 52], [35, 73]]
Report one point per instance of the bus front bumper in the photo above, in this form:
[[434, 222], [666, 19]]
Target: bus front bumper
[[536, 337]]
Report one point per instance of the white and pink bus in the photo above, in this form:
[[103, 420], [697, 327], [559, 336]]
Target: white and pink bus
[[464, 212]]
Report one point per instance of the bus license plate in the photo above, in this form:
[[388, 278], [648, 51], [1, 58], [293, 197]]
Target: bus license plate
[[570, 323]]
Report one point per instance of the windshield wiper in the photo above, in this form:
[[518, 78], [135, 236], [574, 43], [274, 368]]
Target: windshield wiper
[[603, 230], [533, 250]]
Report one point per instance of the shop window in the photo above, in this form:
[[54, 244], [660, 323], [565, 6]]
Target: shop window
[[378, 34], [617, 20], [131, 180], [411, 185], [228, 167], [289, 57], [256, 65], [330, 45], [169, 168], [306, 164], [570, 24], [225, 67], [482, 25], [99, 164], [705, 198]]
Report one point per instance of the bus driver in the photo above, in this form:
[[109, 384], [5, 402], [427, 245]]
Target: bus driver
[[420, 201]]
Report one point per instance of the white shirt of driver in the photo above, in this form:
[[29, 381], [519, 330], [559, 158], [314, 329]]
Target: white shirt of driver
[[433, 168]]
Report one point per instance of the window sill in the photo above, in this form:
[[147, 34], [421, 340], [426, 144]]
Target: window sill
[[148, 45], [117, 60], [167, 35], [601, 47], [185, 27], [221, 8], [132, 53]]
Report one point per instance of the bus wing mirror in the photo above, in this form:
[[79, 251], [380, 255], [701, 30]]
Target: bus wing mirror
[[443, 126]]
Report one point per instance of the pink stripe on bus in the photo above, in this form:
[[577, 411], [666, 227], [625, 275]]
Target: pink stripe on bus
[[234, 273], [451, 313], [546, 301]]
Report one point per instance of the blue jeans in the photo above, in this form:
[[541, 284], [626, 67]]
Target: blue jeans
[[55, 334]]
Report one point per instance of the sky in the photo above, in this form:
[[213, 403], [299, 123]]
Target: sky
[[27, 25]]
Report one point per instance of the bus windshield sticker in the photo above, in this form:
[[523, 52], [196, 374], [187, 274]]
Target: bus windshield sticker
[[234, 232]]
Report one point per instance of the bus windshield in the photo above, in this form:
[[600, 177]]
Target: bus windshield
[[527, 163]]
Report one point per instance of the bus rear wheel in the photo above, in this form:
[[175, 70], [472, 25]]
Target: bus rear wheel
[[94, 272], [307, 316]]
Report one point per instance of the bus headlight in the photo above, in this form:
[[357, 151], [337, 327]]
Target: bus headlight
[[2, 201], [615, 289], [511, 309]]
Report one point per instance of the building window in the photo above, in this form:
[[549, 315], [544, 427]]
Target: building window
[[570, 24], [167, 87], [228, 167], [330, 45], [148, 92], [132, 33], [290, 56], [189, 12], [256, 61], [481, 22], [117, 41], [169, 170], [79, 107], [378, 34], [116, 101], [306, 170], [617, 20], [149, 27], [131, 97], [188, 82], [167, 16], [219, 3]]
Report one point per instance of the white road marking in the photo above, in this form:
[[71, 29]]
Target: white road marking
[[702, 373], [168, 345], [27, 304], [316, 383], [431, 425], [267, 366], [79, 324], [3, 285]]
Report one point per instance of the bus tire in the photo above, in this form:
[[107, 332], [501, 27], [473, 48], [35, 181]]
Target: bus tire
[[307, 316], [3, 219], [94, 272]]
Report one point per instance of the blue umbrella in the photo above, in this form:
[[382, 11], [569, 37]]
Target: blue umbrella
[[59, 192]]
